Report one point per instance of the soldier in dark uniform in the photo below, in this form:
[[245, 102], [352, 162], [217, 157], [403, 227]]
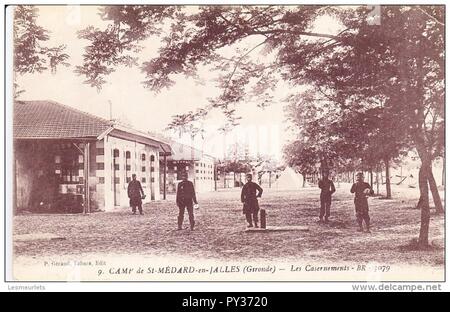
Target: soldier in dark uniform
[[185, 200], [135, 193], [327, 188], [250, 200], [362, 190]]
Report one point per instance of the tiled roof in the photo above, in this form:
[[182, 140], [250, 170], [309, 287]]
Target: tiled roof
[[48, 119]]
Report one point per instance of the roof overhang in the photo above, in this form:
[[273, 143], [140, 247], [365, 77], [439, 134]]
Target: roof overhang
[[105, 133], [77, 139], [136, 136], [165, 149]]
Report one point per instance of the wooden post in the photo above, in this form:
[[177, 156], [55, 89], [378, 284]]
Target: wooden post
[[14, 183], [215, 177], [263, 218], [87, 208], [114, 178], [164, 176]]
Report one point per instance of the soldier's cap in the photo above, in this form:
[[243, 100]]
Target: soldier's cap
[[249, 175], [360, 174]]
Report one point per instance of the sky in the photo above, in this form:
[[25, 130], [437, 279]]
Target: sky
[[264, 130]]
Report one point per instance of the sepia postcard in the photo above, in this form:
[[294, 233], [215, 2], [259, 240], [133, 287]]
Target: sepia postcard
[[184, 143]]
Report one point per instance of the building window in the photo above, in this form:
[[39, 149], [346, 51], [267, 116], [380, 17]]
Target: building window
[[100, 166], [100, 151], [101, 180], [143, 157], [152, 179], [116, 167], [116, 180], [152, 169], [116, 153], [152, 157], [144, 180], [128, 166], [143, 168], [196, 171]]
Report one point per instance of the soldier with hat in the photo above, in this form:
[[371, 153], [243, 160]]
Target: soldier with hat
[[134, 193], [185, 200], [249, 197], [362, 190], [327, 189]]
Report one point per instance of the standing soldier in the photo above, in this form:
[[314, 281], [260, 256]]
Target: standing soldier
[[250, 200], [327, 189], [185, 200], [134, 193], [362, 190]]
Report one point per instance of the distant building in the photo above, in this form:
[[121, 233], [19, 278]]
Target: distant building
[[198, 165], [61, 152]]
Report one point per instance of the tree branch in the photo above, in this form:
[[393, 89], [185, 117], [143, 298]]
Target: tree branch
[[430, 16], [301, 33], [238, 62]]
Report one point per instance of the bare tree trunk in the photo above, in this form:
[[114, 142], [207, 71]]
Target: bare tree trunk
[[388, 179], [371, 177], [419, 203], [424, 207], [304, 180], [425, 158], [434, 191], [377, 179]]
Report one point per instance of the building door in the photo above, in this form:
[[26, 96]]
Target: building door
[[116, 177]]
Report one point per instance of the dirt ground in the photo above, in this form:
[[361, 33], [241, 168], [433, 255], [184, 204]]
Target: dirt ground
[[220, 231]]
